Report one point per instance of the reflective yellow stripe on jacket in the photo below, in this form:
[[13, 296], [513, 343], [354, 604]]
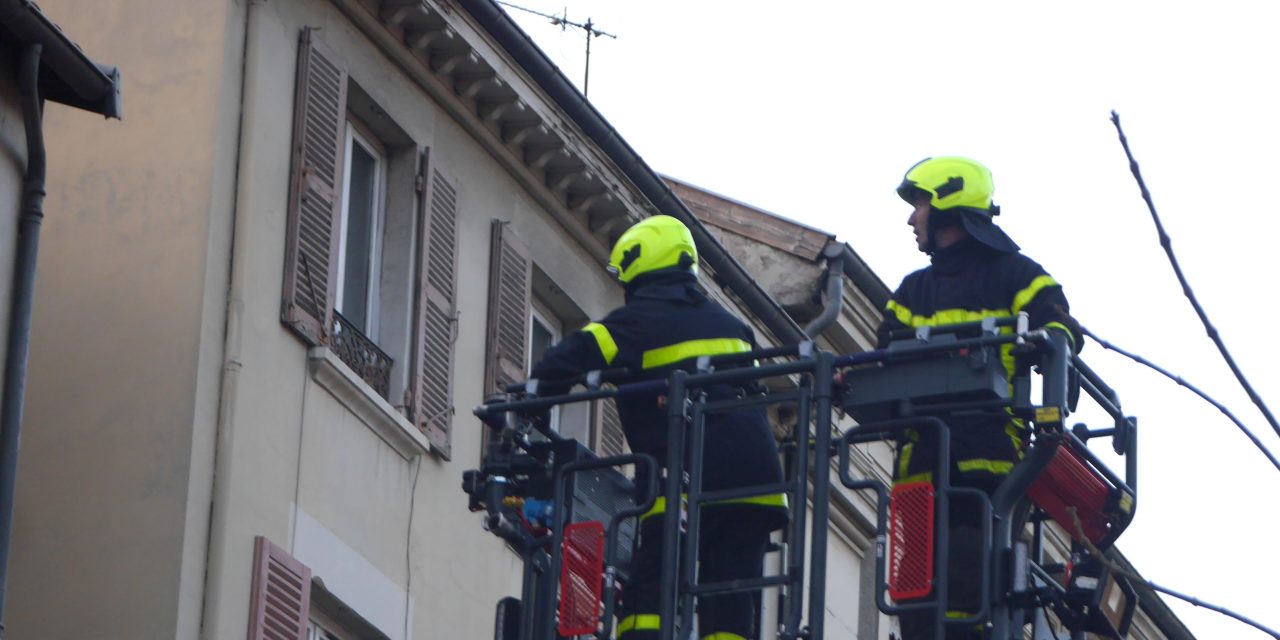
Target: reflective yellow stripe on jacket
[[640, 622], [995, 467], [957, 316], [1027, 294], [674, 353], [771, 500], [941, 317], [608, 348]]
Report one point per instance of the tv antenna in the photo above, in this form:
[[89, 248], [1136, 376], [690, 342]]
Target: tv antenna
[[564, 22]]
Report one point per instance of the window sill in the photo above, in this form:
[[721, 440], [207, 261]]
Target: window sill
[[382, 418]]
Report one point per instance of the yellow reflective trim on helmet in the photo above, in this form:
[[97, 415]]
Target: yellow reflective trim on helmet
[[640, 622], [723, 635], [672, 354], [1027, 294], [998, 467], [608, 348]]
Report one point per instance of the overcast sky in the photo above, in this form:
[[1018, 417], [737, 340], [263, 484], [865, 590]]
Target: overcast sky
[[813, 110]]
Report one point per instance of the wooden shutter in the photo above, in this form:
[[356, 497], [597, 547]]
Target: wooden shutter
[[280, 598], [610, 440], [436, 325], [315, 191], [510, 282]]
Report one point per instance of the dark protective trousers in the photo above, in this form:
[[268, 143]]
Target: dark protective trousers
[[732, 545], [964, 566]]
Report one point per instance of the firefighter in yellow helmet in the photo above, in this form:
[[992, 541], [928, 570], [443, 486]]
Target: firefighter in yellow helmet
[[976, 271], [667, 323]]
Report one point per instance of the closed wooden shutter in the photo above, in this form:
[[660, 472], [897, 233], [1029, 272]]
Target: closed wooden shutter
[[437, 308], [280, 597], [315, 191], [610, 440], [510, 282]]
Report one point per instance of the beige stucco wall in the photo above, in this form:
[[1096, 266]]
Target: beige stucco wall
[[113, 484], [300, 467]]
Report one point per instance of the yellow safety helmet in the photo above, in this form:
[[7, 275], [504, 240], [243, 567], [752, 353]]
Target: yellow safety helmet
[[951, 182], [653, 244], [961, 187]]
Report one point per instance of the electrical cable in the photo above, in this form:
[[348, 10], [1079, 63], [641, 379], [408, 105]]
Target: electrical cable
[[1224, 611], [1082, 538], [1178, 379], [1186, 288]]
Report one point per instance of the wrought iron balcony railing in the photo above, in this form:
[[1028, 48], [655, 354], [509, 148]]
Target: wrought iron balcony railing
[[372, 364]]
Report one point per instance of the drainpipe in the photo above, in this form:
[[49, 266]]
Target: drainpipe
[[217, 540], [24, 281], [865, 279], [834, 253]]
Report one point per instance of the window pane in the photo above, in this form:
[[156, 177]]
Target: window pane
[[361, 212], [540, 340], [541, 337]]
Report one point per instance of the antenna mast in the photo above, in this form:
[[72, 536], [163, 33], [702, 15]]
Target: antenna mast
[[563, 21]]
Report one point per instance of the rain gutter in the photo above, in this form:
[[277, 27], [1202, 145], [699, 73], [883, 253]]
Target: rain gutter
[[67, 75], [864, 278]]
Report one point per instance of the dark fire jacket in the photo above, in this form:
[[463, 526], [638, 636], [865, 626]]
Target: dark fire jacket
[[967, 282], [667, 322]]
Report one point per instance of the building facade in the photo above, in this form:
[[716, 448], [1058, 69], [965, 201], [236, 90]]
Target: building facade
[[272, 296], [39, 65]]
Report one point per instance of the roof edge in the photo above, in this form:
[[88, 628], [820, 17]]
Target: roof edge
[[791, 221], [1151, 603], [68, 76], [548, 77]]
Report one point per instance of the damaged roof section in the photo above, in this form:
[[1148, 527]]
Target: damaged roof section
[[785, 258]]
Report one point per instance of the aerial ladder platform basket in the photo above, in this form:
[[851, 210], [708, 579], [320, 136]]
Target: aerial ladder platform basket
[[575, 546]]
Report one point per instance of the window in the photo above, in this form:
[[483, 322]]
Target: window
[[370, 258], [332, 620], [543, 333], [528, 313], [280, 595], [360, 229], [285, 602], [319, 631]]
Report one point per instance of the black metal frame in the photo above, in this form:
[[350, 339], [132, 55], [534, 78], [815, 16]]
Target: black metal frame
[[1014, 581], [362, 354]]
